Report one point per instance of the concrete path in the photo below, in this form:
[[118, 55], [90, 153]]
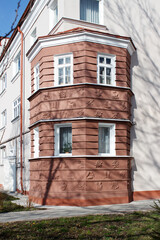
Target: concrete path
[[67, 211]]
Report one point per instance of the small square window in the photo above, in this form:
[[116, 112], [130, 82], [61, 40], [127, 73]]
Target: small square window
[[63, 69], [63, 139], [106, 140], [106, 69]]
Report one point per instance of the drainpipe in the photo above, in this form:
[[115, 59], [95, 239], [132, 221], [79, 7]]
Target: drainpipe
[[21, 112]]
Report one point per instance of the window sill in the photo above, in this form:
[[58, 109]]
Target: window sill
[[15, 119], [15, 77], [3, 92], [64, 155], [106, 154]]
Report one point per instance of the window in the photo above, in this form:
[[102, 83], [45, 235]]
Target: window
[[63, 139], [3, 118], [106, 69], [106, 139], [36, 142], [3, 83], [36, 77], [53, 13], [33, 36], [16, 108], [17, 64], [2, 155], [64, 69], [89, 10]]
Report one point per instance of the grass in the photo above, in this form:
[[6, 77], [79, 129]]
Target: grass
[[6, 204], [138, 225]]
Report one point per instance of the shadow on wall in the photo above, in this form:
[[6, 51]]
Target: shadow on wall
[[140, 19]]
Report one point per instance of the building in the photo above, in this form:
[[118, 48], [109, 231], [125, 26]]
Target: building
[[79, 102]]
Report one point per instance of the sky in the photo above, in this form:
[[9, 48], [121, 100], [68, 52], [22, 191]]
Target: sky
[[7, 14]]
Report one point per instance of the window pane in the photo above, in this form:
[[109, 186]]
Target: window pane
[[101, 79], [65, 140], [67, 75], [108, 71], [101, 59], [68, 60], [108, 80], [60, 76], [60, 61], [101, 70], [104, 140], [108, 61]]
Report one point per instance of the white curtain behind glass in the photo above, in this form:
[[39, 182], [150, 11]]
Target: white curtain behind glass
[[89, 10], [104, 140]]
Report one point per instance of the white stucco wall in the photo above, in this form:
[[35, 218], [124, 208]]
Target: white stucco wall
[[139, 19]]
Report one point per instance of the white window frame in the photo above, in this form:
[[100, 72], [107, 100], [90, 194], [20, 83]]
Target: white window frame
[[17, 64], [4, 118], [36, 77], [33, 36], [57, 66], [16, 107], [2, 155], [53, 13], [112, 66], [57, 139], [112, 139], [36, 142], [3, 83]]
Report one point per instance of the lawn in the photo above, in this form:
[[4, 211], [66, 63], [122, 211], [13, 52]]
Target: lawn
[[6, 204], [138, 225]]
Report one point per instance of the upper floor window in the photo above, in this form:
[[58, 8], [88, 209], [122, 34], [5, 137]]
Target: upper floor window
[[64, 69], [63, 139], [106, 69], [3, 84], [2, 155], [36, 77], [16, 108], [106, 140], [89, 10], [53, 13], [17, 63], [33, 36], [3, 118]]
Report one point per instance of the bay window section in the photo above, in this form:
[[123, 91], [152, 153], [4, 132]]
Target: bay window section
[[106, 140]]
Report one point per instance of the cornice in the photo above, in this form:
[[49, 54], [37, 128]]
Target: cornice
[[82, 36]]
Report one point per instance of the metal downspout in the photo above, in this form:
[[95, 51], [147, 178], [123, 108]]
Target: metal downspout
[[21, 112]]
